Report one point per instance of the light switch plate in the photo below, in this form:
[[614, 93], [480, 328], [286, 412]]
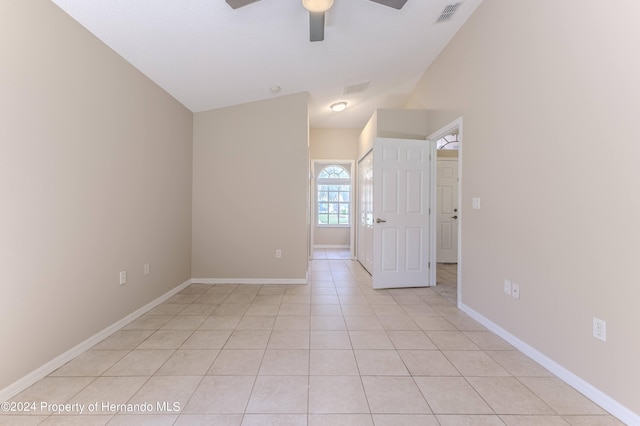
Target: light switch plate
[[475, 203]]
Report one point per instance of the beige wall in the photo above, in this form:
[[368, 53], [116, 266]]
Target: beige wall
[[368, 134], [250, 190], [402, 123], [393, 123], [331, 237], [333, 144], [544, 88], [447, 153], [95, 177]]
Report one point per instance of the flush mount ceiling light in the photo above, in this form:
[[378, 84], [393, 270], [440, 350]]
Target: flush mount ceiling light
[[338, 106], [275, 89], [317, 6]]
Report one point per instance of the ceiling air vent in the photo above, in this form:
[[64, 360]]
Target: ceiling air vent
[[356, 88], [448, 12]]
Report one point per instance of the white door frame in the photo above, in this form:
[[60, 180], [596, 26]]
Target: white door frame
[[438, 134], [313, 197]]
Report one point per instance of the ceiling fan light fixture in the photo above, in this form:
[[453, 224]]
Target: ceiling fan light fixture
[[338, 106], [317, 6]]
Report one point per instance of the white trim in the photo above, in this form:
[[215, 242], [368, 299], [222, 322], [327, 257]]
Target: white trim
[[46, 369], [250, 280], [329, 246], [618, 410], [433, 202]]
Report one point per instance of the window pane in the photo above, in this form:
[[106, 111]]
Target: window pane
[[333, 172], [333, 196]]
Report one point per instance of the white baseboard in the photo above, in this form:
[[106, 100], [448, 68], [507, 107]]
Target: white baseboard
[[43, 371], [249, 281], [331, 246], [605, 401]]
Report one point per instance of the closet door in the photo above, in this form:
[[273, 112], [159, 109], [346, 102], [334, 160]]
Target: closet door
[[365, 212]]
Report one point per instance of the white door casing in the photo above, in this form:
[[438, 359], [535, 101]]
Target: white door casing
[[401, 202], [447, 210]]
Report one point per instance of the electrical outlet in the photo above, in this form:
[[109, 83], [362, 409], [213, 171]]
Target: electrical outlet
[[123, 277], [507, 287], [600, 329], [515, 290], [146, 269], [278, 253]]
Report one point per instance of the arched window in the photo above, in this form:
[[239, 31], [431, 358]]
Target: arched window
[[333, 196]]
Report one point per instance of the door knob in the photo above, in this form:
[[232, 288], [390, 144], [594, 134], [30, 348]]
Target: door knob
[[454, 217], [378, 220]]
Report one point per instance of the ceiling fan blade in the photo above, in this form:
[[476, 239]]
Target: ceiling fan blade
[[316, 26], [396, 4], [235, 4]]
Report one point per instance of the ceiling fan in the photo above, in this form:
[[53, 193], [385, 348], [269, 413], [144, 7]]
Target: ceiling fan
[[317, 9]]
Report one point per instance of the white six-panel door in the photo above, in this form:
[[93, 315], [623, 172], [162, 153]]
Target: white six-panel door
[[401, 200], [448, 214]]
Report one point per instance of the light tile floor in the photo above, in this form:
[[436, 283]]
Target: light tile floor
[[334, 352]]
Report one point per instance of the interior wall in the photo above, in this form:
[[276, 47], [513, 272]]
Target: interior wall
[[368, 134], [95, 177], [333, 143], [544, 87], [250, 190], [402, 123], [393, 123], [447, 153]]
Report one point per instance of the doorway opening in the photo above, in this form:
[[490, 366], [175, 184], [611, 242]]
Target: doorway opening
[[332, 209], [446, 221]]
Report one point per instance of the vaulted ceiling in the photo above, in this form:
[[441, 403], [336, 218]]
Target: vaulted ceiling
[[208, 55]]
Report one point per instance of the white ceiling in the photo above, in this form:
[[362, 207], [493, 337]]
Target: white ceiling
[[208, 55]]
